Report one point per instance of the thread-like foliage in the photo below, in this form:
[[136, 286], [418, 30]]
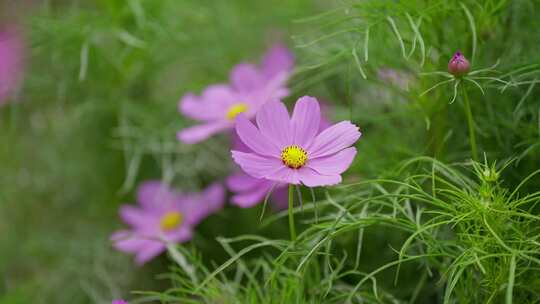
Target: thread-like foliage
[[415, 221], [458, 233]]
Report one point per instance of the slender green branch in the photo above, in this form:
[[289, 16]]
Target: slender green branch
[[470, 123], [292, 228], [179, 258]]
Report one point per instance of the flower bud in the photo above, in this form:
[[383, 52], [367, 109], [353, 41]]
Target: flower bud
[[458, 65], [490, 175]]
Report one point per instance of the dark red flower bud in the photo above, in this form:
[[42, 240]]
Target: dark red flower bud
[[458, 65]]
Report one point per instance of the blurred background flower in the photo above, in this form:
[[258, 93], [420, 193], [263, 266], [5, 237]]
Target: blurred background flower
[[250, 87], [164, 217], [11, 61], [101, 85]]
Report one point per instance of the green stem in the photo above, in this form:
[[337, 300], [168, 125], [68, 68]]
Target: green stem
[[179, 258], [292, 229], [470, 123]]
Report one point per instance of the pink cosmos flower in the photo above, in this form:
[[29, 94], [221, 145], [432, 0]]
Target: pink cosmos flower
[[11, 62], [119, 302], [292, 150], [163, 216], [250, 191], [250, 87]]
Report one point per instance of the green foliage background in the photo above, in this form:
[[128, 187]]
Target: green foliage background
[[97, 115]]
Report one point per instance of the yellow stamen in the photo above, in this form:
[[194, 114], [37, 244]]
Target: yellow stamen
[[171, 220], [236, 109], [294, 157]]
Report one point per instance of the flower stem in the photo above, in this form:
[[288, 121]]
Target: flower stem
[[179, 258], [292, 229], [470, 123]]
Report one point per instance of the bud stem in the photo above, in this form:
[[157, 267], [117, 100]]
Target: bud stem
[[470, 123]]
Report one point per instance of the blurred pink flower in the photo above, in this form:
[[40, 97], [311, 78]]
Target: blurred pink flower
[[119, 302], [163, 216], [11, 62], [250, 87], [294, 151]]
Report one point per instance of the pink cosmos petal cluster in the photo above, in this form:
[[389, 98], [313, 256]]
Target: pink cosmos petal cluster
[[250, 87], [250, 191], [146, 237], [11, 62], [328, 153]]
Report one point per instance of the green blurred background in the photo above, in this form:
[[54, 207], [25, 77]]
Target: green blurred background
[[97, 115]]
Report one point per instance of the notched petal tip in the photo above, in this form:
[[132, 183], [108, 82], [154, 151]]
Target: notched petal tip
[[311, 178], [334, 139]]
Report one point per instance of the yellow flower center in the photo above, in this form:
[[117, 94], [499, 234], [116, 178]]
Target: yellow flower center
[[171, 220], [236, 109], [294, 157]]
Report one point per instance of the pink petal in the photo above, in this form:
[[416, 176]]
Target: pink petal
[[134, 216], [250, 198], [155, 195], [11, 61], [311, 178], [181, 235], [246, 77], [214, 197], [256, 165], [305, 120], [211, 105], [199, 133], [280, 199], [251, 191], [274, 124], [333, 164], [125, 241], [237, 144], [275, 88], [334, 139], [217, 97], [150, 251], [256, 141], [120, 235], [190, 106], [277, 60], [197, 206], [241, 182], [284, 175]]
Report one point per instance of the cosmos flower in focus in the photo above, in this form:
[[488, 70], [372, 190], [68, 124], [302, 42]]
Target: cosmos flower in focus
[[11, 62], [250, 87], [163, 216], [293, 150], [250, 191], [458, 65]]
